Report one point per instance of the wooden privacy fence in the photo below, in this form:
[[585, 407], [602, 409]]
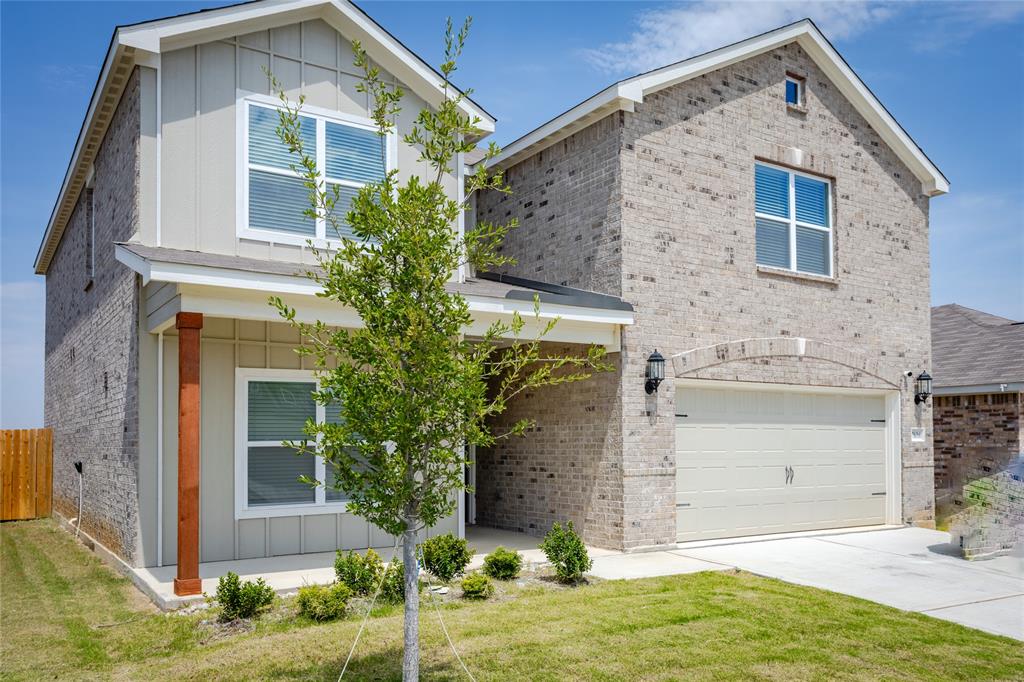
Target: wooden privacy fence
[[26, 473]]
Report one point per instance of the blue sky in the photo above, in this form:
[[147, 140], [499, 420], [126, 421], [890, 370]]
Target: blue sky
[[950, 72]]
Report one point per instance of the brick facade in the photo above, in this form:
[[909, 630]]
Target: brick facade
[[976, 436], [91, 365], [676, 239], [565, 468]]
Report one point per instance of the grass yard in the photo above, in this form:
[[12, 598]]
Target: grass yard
[[63, 615]]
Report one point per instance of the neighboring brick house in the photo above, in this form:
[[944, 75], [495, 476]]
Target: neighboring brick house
[[776, 252], [978, 409], [793, 347]]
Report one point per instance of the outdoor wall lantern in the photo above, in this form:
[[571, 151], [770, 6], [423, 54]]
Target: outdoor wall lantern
[[655, 371], [922, 388]]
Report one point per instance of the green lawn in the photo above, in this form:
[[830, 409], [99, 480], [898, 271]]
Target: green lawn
[[55, 598]]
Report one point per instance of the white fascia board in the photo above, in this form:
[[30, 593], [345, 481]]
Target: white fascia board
[[263, 284], [113, 53], [613, 98], [253, 305], [933, 182], [135, 262], [178, 32]]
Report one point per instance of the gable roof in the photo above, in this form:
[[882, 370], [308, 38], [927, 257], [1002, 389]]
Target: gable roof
[[975, 349], [624, 94], [142, 43]]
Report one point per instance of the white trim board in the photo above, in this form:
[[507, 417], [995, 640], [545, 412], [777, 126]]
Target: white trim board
[[222, 292], [623, 95]]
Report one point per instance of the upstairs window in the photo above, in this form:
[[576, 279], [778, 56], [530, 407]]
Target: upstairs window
[[349, 154], [793, 220], [795, 90]]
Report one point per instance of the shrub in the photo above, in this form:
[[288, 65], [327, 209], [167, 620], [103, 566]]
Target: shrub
[[503, 564], [323, 602], [566, 552], [360, 573], [392, 590], [477, 586], [446, 556], [239, 599]]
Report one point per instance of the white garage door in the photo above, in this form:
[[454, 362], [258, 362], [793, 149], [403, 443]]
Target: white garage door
[[753, 461]]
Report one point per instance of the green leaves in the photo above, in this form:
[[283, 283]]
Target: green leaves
[[407, 390]]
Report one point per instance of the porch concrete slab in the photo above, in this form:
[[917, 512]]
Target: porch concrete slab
[[288, 573], [648, 565], [283, 573], [910, 568]]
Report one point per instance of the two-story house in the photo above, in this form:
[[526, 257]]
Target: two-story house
[[768, 219], [754, 214]]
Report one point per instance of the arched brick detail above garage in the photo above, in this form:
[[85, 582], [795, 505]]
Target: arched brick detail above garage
[[688, 362]]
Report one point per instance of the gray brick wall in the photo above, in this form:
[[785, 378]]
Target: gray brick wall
[[91, 366], [684, 255], [567, 201], [565, 468]]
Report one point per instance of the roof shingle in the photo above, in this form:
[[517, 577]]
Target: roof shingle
[[973, 348]]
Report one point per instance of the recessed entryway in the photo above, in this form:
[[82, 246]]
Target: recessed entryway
[[753, 459]]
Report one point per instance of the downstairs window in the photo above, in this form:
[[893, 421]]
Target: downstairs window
[[273, 407]]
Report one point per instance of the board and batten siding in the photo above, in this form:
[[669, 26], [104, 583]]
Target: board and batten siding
[[228, 344], [200, 87]]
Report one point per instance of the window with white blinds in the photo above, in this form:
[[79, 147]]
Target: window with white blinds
[[349, 154], [274, 407], [792, 220]]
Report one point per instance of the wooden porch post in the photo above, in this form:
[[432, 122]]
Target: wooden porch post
[[187, 581]]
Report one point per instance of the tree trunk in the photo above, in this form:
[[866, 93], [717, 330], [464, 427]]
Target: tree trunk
[[411, 657]]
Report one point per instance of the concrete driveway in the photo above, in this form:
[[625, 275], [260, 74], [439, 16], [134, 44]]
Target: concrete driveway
[[910, 568]]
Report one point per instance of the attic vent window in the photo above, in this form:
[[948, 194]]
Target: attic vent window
[[794, 90]]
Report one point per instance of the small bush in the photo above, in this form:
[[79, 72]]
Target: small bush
[[323, 602], [503, 564], [477, 586], [392, 590], [239, 599], [446, 556], [566, 552], [360, 573]]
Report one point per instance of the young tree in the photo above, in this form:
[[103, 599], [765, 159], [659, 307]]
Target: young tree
[[408, 388]]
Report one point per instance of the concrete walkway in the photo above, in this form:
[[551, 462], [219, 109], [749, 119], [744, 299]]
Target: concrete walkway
[[909, 568]]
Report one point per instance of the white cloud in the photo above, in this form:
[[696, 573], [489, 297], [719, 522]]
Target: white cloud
[[666, 35], [22, 311]]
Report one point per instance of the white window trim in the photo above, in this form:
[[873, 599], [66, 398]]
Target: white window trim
[[793, 223], [243, 375], [799, 82], [322, 116]]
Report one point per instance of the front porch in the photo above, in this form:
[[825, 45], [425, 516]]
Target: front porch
[[290, 572], [223, 390]]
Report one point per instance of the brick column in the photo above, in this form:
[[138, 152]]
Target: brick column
[[189, 326]]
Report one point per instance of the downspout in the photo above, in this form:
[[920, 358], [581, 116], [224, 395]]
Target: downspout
[[160, 449]]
